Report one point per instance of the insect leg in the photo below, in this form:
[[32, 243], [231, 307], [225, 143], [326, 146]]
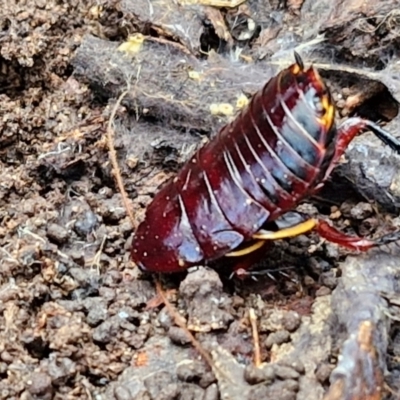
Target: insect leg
[[292, 231], [384, 136], [333, 235], [330, 233], [263, 235], [350, 128], [246, 250]]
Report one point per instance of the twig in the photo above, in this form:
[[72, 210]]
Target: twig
[[113, 158], [256, 338], [96, 258], [179, 321]]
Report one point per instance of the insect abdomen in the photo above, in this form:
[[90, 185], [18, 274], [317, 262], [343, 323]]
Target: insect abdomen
[[257, 168]]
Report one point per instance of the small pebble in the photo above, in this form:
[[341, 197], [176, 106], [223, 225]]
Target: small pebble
[[296, 364], [323, 372], [278, 338], [361, 211], [40, 385], [284, 372], [57, 233], [323, 291], [178, 336], [328, 279], [291, 321], [86, 223], [254, 375]]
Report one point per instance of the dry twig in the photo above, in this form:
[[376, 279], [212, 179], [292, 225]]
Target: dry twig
[[113, 158]]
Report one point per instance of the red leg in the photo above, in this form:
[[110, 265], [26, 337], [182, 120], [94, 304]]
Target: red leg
[[251, 256], [346, 133], [243, 264], [333, 235], [350, 129]]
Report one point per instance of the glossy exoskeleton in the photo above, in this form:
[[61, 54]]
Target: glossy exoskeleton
[[276, 153]]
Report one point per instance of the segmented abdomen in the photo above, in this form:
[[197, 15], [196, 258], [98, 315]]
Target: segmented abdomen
[[257, 168]]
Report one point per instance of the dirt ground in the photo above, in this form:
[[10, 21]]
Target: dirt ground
[[77, 319]]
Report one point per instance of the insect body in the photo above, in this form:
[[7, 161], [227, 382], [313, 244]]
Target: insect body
[[276, 153]]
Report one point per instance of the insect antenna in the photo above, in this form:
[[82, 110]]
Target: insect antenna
[[384, 136], [299, 61]]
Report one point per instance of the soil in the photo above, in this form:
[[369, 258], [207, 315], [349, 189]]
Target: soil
[[77, 318]]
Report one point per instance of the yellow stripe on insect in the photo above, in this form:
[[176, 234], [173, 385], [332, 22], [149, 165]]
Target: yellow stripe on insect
[[327, 119], [247, 250], [296, 69], [296, 230]]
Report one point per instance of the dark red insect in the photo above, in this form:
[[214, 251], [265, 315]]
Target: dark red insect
[[276, 153]]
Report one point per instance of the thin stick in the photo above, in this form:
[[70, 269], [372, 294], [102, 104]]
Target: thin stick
[[256, 338], [113, 158], [179, 321]]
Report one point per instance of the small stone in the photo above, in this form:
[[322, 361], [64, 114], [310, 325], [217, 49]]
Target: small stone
[[126, 228], [278, 338], [106, 192], [296, 364], [254, 375], [112, 278], [368, 225], [332, 250], [28, 208], [282, 390], [133, 389], [291, 321], [291, 385], [7, 357], [328, 279], [78, 256], [122, 393], [3, 368], [194, 371], [56, 233], [164, 318], [40, 385], [106, 331], [111, 210], [308, 281], [284, 372], [237, 301], [276, 320], [361, 211], [208, 306], [178, 336], [86, 223], [131, 161], [61, 370], [323, 372], [189, 391], [323, 291], [97, 314], [107, 294], [161, 385], [134, 340]]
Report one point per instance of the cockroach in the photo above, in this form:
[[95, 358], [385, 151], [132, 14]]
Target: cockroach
[[276, 153]]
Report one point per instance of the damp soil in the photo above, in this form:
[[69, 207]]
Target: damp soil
[[77, 318]]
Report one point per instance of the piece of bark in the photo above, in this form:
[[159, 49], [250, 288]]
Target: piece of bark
[[163, 85], [362, 311]]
